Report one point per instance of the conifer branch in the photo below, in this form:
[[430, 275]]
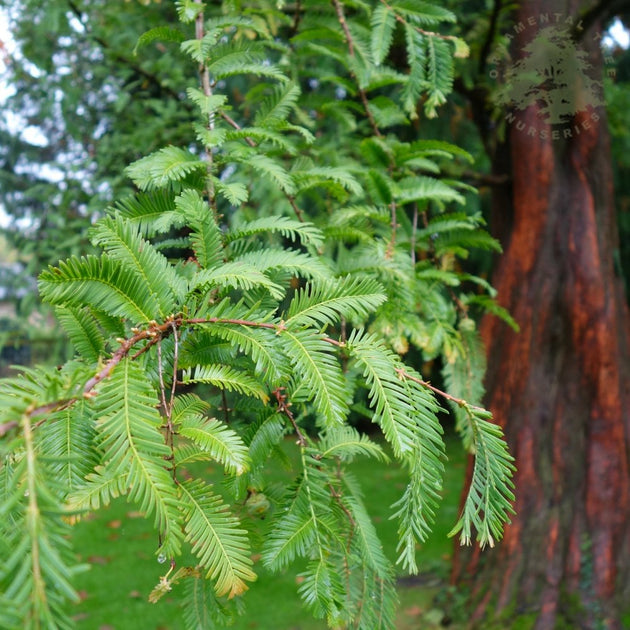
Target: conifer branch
[[458, 401], [402, 20], [151, 78], [350, 42], [298, 213]]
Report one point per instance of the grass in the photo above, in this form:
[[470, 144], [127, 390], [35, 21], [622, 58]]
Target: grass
[[120, 546]]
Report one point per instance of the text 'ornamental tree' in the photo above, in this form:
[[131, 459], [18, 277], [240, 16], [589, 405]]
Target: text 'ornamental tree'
[[265, 278]]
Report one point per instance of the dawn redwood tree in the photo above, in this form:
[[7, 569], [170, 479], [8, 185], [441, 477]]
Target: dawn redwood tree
[[561, 386]]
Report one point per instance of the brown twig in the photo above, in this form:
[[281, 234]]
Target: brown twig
[[283, 407], [458, 401], [8, 426], [401, 19], [154, 333], [338, 496], [296, 17], [204, 76], [394, 225], [350, 42], [230, 121], [242, 322], [298, 213]]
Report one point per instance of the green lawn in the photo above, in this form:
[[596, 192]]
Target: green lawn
[[120, 546]]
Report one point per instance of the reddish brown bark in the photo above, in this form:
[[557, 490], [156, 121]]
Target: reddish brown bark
[[560, 387]]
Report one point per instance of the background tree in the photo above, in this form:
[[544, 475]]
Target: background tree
[[560, 386], [77, 92]]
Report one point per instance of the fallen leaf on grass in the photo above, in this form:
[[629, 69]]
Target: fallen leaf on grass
[[135, 595], [98, 560], [413, 611], [143, 536], [135, 514], [114, 524]]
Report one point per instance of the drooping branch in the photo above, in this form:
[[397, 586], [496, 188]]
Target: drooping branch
[[153, 334], [458, 401], [402, 20]]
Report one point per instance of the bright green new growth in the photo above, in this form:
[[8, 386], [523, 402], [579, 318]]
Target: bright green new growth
[[209, 328]]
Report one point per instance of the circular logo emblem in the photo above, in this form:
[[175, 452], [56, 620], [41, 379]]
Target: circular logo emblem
[[551, 72]]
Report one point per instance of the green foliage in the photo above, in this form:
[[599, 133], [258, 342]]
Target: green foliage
[[212, 295]]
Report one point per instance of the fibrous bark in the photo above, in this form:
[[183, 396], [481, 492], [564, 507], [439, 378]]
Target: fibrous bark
[[561, 386]]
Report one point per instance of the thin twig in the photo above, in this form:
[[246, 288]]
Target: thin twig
[[414, 230], [242, 322], [204, 76], [338, 496], [154, 330], [283, 407], [401, 19], [296, 17], [168, 412], [394, 225], [350, 42], [458, 401], [251, 143], [161, 378], [230, 121], [175, 363]]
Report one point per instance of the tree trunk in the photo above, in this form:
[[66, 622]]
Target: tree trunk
[[560, 387]]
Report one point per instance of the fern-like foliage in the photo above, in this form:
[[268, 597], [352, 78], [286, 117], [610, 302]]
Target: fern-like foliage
[[254, 288], [129, 437], [216, 538]]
